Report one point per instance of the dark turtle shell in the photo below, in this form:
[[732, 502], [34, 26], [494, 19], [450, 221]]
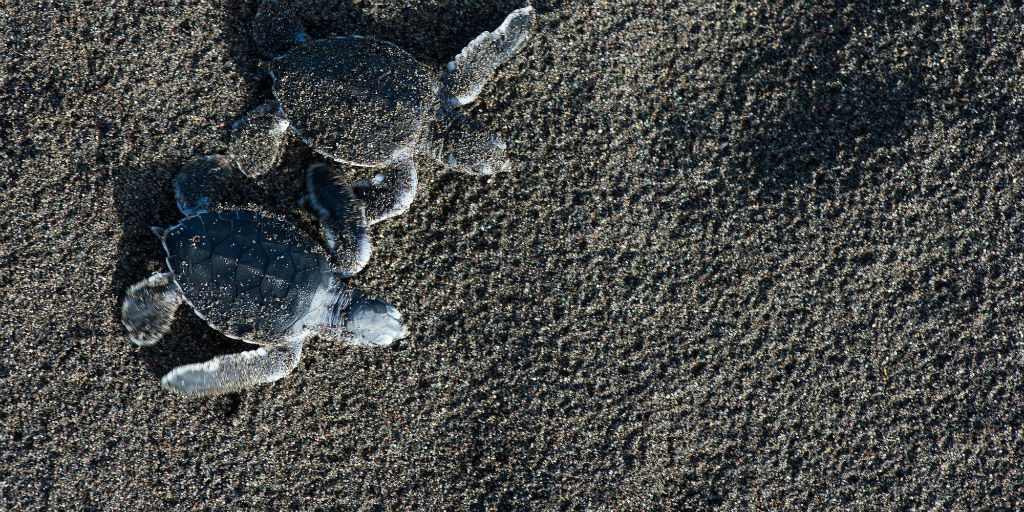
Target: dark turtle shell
[[249, 276], [355, 99]]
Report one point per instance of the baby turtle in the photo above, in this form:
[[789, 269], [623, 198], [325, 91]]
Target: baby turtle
[[257, 279], [366, 102]]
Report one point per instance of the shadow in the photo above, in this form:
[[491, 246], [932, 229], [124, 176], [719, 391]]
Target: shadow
[[431, 33], [236, 32], [143, 198], [428, 33], [795, 113]]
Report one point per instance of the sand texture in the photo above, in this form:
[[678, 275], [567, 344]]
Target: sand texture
[[753, 255]]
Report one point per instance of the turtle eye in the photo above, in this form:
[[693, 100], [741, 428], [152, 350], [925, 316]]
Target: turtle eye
[[483, 168]]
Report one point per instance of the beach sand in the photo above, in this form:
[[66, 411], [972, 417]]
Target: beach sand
[[753, 255]]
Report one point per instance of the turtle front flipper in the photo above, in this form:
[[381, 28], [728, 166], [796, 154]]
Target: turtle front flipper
[[389, 193], [200, 183], [258, 139], [234, 372], [149, 308], [470, 70], [342, 216]]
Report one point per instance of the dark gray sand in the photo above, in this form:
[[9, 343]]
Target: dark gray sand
[[751, 256]]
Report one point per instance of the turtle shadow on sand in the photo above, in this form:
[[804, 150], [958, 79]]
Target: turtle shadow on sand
[[811, 125], [143, 197], [432, 33], [410, 111], [254, 276]]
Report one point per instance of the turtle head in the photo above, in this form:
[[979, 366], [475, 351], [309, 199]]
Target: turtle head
[[373, 322], [346, 314], [464, 145], [478, 155]]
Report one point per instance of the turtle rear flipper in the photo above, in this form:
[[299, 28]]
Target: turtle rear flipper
[[276, 28], [343, 218], [234, 372], [149, 308], [199, 185], [389, 193], [467, 73], [258, 139]]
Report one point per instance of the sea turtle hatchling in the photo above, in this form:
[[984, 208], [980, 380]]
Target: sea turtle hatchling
[[365, 102], [258, 279]]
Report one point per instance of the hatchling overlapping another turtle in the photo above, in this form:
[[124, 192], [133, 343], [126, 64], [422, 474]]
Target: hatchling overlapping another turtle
[[365, 102], [257, 278]]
